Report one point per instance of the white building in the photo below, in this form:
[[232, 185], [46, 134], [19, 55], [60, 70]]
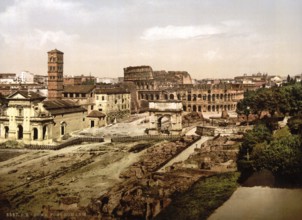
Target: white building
[[107, 80], [25, 77]]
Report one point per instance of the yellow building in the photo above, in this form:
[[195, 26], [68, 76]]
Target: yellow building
[[113, 102], [29, 119]]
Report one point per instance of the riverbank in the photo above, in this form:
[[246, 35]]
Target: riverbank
[[206, 195]]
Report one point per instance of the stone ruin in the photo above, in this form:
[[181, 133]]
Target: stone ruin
[[144, 191]]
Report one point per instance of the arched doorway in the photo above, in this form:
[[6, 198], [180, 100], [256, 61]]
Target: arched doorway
[[35, 135], [152, 97], [44, 131], [194, 97], [164, 124], [20, 132], [165, 118], [6, 130], [63, 128]]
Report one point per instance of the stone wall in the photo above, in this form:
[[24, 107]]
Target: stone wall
[[71, 122], [111, 116], [138, 73]]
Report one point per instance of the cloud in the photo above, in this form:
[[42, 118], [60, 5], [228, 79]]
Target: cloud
[[180, 32], [211, 55], [38, 38]]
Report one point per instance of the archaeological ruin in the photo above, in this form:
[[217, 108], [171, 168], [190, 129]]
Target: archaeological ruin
[[160, 110], [177, 85]]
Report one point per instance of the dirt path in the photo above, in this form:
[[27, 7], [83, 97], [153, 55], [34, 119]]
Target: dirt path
[[38, 178]]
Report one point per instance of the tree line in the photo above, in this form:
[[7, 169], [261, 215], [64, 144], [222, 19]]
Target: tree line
[[265, 147]]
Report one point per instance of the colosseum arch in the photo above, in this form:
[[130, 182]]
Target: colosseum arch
[[171, 111], [151, 97]]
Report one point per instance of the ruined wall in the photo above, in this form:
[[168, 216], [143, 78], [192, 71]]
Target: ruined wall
[[182, 76], [136, 73], [171, 78], [200, 98]]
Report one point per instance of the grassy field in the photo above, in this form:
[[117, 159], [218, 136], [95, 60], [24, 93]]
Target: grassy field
[[202, 198]]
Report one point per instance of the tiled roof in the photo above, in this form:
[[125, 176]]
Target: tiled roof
[[55, 51], [78, 89], [57, 107], [27, 94], [96, 114]]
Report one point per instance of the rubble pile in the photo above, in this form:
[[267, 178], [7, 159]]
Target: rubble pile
[[217, 154], [192, 117], [157, 156], [144, 192], [142, 198]]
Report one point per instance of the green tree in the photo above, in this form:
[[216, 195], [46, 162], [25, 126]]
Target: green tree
[[282, 156], [295, 124], [286, 99], [288, 79], [259, 134]]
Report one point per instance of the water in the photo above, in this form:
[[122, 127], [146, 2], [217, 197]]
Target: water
[[261, 203]]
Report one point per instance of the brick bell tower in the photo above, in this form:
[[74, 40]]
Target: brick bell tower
[[55, 74]]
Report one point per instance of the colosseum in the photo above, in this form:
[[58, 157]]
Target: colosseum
[[177, 85]]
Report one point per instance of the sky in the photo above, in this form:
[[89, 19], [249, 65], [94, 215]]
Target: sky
[[207, 38]]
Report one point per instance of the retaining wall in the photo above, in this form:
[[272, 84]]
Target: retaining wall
[[72, 141]]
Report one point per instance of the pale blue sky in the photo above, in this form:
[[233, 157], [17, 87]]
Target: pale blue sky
[[207, 38]]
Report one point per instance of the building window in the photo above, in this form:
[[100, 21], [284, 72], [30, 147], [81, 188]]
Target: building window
[[103, 98], [6, 129], [20, 112], [92, 107], [20, 132]]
